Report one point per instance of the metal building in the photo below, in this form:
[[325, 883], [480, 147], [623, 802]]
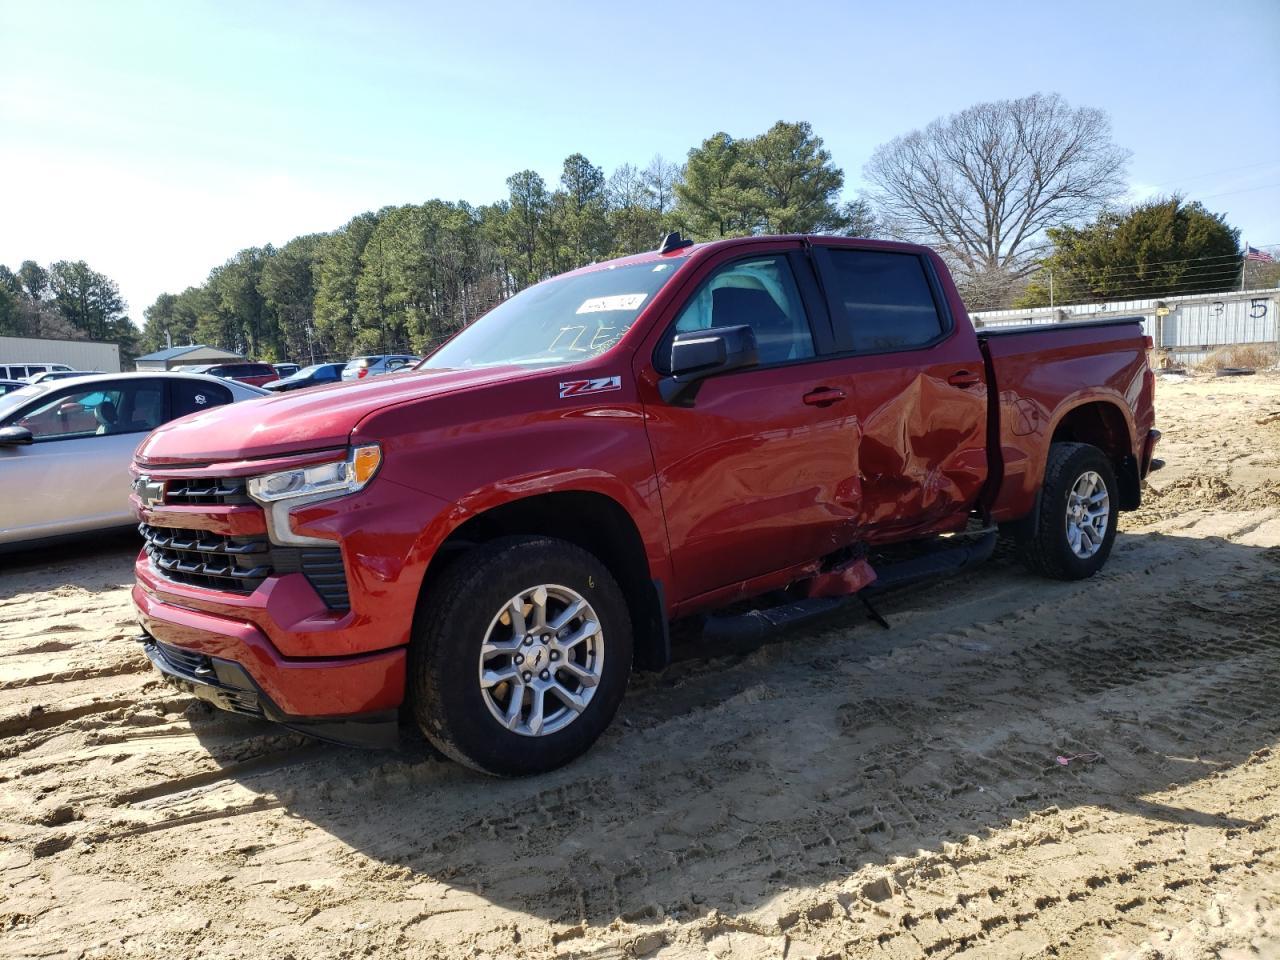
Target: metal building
[[77, 354], [182, 356]]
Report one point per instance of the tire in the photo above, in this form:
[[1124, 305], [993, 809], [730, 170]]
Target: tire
[[1045, 544], [465, 608]]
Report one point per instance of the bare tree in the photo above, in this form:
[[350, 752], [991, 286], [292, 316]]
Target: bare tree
[[982, 185], [627, 187], [989, 289], [661, 177]]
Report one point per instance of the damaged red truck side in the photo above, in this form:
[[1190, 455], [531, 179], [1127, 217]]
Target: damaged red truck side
[[489, 543]]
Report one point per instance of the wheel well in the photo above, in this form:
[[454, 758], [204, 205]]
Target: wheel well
[[593, 521], [1103, 425]]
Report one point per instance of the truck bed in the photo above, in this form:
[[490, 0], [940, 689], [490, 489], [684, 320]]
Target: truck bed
[[1005, 331], [1055, 381]]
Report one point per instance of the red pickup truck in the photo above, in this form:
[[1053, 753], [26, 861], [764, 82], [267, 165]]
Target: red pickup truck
[[489, 544]]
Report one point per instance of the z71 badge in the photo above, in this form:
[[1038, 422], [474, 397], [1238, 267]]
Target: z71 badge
[[578, 388]]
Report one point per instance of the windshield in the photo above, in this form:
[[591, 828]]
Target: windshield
[[14, 399], [562, 320]]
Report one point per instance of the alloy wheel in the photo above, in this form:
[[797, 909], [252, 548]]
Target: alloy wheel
[[541, 660], [1088, 512]]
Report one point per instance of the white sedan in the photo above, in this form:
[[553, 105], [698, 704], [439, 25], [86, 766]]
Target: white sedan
[[66, 446]]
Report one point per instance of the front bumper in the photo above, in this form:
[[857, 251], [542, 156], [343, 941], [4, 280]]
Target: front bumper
[[231, 664], [386, 536]]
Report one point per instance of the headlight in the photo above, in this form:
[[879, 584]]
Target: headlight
[[324, 480], [281, 492]]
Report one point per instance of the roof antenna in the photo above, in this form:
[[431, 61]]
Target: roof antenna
[[673, 241]]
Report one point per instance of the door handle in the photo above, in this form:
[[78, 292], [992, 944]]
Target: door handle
[[824, 396], [964, 379]]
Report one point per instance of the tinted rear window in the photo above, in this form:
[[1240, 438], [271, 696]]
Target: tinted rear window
[[883, 301], [192, 395]]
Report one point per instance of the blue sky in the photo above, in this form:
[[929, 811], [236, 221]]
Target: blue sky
[[156, 139]]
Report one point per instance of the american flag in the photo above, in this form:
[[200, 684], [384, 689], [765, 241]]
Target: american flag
[[1253, 253]]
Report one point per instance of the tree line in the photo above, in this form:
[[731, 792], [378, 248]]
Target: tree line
[[1021, 197], [404, 277], [67, 300]]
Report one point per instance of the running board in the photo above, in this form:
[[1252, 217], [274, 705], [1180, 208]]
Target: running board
[[938, 564], [966, 534], [758, 624]]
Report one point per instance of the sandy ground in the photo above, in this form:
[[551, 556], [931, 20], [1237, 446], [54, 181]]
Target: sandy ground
[[842, 791]]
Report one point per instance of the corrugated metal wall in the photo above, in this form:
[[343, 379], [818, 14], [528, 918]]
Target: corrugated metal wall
[[1203, 325], [77, 354], [1194, 326]]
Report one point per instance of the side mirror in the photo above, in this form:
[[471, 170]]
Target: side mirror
[[15, 437], [699, 354]]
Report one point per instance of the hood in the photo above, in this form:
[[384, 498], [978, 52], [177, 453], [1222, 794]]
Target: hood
[[293, 422]]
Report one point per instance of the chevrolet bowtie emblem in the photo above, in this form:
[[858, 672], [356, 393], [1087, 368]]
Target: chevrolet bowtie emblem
[[150, 492]]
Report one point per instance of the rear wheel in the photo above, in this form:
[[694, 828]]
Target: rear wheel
[[1070, 536], [520, 656]]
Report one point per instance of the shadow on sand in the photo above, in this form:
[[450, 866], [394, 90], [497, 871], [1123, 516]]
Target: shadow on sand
[[727, 779]]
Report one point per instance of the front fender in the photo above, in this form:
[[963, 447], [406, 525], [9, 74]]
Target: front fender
[[489, 452]]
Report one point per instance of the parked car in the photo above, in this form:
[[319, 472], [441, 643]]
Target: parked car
[[313, 376], [495, 539], [59, 375], [254, 374], [66, 446], [20, 371], [285, 369], [360, 367], [8, 386]]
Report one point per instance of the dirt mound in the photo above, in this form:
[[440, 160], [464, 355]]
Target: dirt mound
[[1202, 492]]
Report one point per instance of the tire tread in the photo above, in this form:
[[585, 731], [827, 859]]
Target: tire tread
[[450, 594], [1041, 547]]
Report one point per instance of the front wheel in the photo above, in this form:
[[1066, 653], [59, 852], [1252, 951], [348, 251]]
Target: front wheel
[[1071, 535], [520, 656]]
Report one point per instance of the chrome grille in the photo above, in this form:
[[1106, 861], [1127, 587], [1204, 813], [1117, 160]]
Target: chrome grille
[[203, 559], [225, 490], [240, 564]]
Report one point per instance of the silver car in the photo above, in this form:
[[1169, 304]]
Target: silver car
[[60, 375], [377, 364], [66, 446]]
